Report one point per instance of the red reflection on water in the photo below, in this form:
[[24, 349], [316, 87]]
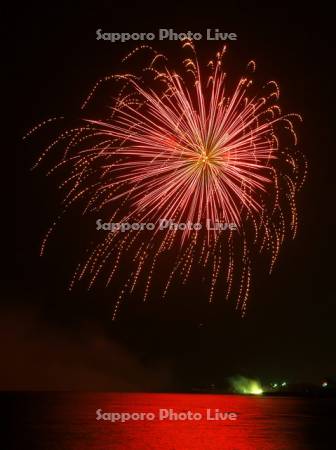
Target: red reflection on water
[[263, 423]]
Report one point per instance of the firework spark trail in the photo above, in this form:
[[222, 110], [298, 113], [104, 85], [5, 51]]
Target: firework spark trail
[[187, 151]]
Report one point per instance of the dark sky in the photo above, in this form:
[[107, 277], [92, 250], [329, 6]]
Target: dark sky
[[51, 338]]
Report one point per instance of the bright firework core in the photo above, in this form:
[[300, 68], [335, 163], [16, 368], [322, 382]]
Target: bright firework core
[[184, 147], [205, 159]]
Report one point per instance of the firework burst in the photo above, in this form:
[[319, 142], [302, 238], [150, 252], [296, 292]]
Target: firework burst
[[184, 148]]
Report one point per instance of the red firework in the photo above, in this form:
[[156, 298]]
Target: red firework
[[184, 149]]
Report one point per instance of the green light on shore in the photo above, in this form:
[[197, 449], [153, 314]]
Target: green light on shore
[[255, 389], [247, 386]]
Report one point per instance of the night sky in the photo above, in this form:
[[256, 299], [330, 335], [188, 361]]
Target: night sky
[[52, 339]]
